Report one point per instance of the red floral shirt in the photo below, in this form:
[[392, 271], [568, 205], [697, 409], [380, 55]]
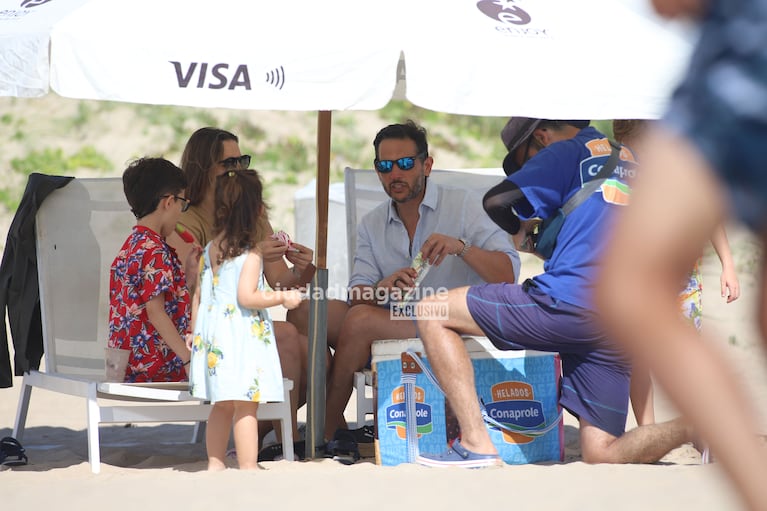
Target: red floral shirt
[[145, 267]]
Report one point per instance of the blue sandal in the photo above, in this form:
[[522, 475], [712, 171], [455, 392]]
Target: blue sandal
[[459, 456], [12, 454]]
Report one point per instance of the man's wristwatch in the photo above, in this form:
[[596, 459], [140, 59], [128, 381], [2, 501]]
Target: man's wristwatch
[[466, 247]]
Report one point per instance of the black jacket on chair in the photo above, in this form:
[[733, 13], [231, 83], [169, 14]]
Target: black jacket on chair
[[19, 290]]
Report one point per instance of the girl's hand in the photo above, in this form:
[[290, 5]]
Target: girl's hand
[[729, 284], [291, 299]]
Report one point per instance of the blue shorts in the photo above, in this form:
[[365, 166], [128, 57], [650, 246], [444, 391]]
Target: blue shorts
[[595, 377], [721, 105]]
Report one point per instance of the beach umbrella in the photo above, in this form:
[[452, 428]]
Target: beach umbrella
[[542, 58]]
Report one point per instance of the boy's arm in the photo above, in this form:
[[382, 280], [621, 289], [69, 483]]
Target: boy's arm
[[155, 309], [728, 281]]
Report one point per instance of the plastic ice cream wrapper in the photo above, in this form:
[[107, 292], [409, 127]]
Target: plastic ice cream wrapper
[[422, 267]]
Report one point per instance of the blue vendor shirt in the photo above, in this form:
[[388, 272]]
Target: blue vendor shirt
[[548, 180]]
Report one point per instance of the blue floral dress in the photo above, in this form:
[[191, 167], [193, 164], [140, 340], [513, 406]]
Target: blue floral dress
[[234, 353]]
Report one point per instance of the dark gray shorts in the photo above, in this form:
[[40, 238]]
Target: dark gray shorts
[[595, 377]]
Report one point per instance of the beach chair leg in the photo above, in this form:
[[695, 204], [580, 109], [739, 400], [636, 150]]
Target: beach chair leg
[[199, 432], [21, 410], [94, 417]]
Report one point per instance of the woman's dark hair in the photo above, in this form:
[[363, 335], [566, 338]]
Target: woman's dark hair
[[146, 180], [202, 151], [408, 130], [239, 205]]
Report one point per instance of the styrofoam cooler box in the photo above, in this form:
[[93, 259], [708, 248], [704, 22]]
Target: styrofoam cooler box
[[519, 389]]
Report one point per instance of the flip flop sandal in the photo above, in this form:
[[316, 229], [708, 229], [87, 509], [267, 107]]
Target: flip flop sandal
[[12, 454], [274, 452], [343, 447], [365, 438]]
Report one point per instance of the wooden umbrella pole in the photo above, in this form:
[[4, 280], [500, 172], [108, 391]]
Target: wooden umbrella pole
[[315, 395]]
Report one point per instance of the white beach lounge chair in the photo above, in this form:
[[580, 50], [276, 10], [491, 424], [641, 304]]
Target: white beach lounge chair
[[79, 230]]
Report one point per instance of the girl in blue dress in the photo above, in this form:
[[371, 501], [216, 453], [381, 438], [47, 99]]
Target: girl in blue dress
[[235, 364]]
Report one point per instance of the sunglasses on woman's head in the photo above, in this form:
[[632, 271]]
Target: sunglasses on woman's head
[[406, 163], [236, 162]]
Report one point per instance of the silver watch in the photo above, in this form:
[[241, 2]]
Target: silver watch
[[466, 247]]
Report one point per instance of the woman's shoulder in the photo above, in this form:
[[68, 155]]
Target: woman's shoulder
[[197, 222]]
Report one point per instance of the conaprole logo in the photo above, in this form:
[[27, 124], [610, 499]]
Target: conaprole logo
[[222, 76], [33, 3], [505, 11], [513, 406], [396, 414]]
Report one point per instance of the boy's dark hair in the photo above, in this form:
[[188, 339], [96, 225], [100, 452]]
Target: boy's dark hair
[[146, 180], [202, 151], [239, 204], [408, 130]]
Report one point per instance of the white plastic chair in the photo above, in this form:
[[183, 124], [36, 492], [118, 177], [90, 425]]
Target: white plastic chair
[[363, 193], [79, 230]]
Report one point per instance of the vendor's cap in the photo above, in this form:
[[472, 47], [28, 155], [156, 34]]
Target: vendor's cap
[[514, 134], [518, 130]]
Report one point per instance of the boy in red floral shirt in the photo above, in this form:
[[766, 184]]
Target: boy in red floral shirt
[[148, 296]]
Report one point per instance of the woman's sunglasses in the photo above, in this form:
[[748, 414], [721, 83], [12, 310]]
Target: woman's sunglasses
[[236, 162], [406, 163]]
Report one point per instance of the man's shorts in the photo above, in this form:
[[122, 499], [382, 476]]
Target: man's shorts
[[595, 378], [721, 105]]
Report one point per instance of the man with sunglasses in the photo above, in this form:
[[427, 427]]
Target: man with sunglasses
[[548, 162], [446, 226]]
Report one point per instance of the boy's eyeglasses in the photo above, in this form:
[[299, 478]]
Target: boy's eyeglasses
[[186, 202], [406, 163], [236, 162]]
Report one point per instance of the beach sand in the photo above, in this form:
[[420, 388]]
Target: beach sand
[[155, 466]]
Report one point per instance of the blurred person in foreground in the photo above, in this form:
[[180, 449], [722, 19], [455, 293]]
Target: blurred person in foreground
[[630, 132], [704, 159]]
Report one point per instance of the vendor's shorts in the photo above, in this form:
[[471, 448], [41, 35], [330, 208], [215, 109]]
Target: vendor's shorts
[[595, 378]]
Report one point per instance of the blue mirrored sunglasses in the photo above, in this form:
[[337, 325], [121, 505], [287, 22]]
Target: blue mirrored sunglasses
[[406, 163]]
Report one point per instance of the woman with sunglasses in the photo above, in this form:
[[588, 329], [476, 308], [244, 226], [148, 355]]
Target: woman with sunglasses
[[210, 152]]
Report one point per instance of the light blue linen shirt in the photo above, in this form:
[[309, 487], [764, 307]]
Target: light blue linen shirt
[[383, 245]]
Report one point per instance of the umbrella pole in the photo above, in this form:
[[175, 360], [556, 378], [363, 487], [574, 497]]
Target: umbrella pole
[[318, 309]]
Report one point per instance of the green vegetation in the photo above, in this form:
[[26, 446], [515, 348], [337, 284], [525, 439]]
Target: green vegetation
[[53, 162]]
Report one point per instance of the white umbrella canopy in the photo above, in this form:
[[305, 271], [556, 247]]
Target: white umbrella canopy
[[592, 59], [556, 59], [264, 55], [25, 32]]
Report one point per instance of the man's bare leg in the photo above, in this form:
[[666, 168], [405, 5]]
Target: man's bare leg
[[452, 366], [644, 444], [336, 311], [363, 325], [675, 206]]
